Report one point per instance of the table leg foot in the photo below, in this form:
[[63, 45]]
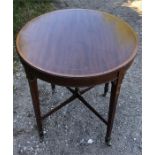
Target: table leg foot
[[108, 141], [41, 136]]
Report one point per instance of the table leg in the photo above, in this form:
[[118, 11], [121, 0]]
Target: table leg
[[36, 105], [53, 88], [115, 89], [106, 88]]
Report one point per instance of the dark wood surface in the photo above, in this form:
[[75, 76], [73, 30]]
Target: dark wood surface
[[77, 47], [77, 43]]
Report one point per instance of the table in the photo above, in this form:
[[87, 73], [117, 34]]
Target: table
[[77, 48]]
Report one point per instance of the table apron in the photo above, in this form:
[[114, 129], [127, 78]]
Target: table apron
[[32, 73]]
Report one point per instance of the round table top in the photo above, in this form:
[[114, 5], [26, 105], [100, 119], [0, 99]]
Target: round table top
[[77, 43]]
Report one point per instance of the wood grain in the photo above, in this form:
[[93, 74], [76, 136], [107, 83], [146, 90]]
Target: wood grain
[[77, 43]]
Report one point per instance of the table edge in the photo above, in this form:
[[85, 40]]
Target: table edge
[[119, 67]]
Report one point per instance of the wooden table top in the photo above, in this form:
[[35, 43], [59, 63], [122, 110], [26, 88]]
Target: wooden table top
[[77, 43]]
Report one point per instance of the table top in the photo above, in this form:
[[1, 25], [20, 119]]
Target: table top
[[77, 43]]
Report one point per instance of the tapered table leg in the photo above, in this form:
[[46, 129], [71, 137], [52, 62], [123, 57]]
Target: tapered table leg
[[115, 89], [53, 88], [106, 88], [36, 105]]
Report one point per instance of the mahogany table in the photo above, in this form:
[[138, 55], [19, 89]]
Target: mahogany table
[[77, 48]]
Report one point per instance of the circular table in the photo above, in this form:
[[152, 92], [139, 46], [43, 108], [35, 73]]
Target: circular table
[[77, 48]]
